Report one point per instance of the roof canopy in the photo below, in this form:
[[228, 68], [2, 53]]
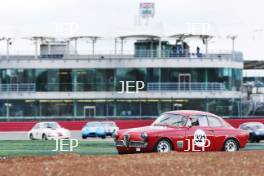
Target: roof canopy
[[184, 36], [84, 37], [139, 36]]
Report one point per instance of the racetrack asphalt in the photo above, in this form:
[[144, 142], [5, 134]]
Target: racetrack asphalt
[[22, 135]]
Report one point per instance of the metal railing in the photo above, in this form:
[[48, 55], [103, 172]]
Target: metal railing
[[111, 54], [21, 87], [192, 86]]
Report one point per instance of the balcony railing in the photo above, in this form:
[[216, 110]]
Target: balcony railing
[[126, 54], [192, 86], [153, 86], [23, 87]]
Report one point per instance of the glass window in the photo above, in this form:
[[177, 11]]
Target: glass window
[[126, 108], [53, 80], [214, 122], [65, 80], [130, 74], [199, 120], [52, 125], [36, 126], [171, 119]]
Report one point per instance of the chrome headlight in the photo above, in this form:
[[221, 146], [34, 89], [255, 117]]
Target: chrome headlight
[[144, 136]]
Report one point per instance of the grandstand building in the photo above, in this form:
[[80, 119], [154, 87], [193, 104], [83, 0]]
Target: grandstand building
[[60, 82]]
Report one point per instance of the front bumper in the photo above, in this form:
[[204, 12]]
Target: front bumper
[[51, 137], [128, 143], [93, 135]]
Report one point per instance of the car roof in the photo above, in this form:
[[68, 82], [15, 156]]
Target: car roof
[[251, 123], [107, 122], [46, 122], [93, 122], [190, 112]]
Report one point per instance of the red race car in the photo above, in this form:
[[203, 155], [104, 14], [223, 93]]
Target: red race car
[[183, 130]]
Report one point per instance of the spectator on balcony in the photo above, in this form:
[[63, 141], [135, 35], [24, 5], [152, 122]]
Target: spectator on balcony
[[198, 54]]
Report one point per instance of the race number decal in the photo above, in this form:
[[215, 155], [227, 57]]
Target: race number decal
[[199, 138]]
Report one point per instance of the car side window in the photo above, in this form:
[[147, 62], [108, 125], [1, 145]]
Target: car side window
[[36, 126], [199, 120], [214, 122]]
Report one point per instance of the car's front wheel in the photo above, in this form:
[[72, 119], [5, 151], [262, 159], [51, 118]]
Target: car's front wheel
[[163, 146], [31, 136], [231, 145], [44, 137]]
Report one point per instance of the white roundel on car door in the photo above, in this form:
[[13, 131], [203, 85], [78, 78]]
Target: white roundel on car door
[[199, 138]]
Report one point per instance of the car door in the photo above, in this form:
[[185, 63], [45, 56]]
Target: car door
[[199, 136], [220, 131], [35, 131]]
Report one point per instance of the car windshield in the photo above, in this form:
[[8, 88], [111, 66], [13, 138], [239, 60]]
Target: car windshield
[[171, 120], [93, 124], [257, 126], [52, 125]]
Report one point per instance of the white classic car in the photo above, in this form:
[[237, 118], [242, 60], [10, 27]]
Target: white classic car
[[48, 131]]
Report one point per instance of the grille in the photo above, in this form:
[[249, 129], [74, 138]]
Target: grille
[[119, 143], [137, 144]]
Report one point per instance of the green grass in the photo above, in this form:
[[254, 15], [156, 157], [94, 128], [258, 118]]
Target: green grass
[[38, 147]]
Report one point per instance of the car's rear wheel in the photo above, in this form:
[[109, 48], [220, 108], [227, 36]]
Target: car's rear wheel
[[163, 146], [103, 137], [231, 145], [44, 137], [31, 136]]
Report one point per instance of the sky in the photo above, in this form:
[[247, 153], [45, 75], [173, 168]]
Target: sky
[[20, 19]]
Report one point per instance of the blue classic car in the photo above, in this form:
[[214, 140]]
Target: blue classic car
[[255, 129], [93, 129]]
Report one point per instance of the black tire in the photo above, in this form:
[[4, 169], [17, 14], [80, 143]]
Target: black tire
[[84, 137], [44, 137], [31, 136], [103, 137], [257, 140], [163, 146], [231, 145]]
